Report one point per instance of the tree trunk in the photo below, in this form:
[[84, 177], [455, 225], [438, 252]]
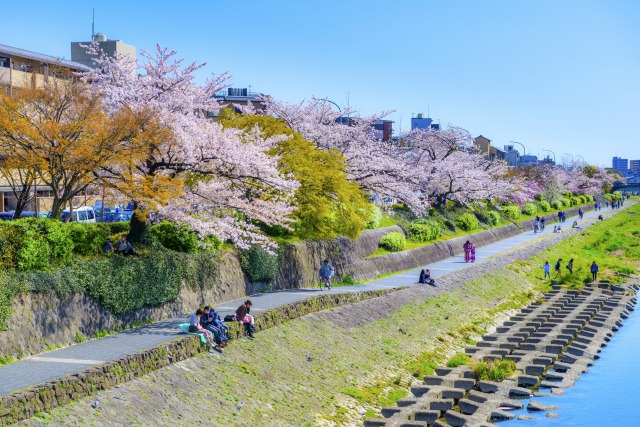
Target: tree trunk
[[138, 228]]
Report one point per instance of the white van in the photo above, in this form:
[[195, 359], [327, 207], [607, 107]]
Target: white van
[[84, 214]]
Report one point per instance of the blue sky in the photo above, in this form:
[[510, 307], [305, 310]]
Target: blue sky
[[562, 75]]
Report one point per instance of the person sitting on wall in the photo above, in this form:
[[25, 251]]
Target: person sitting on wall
[[195, 327], [421, 279], [427, 278], [575, 225], [243, 316], [218, 323], [207, 324], [600, 218], [123, 247]]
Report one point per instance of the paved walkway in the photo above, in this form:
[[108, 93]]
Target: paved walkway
[[47, 366]]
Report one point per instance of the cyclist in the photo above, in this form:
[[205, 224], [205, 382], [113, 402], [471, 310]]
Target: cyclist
[[326, 273]]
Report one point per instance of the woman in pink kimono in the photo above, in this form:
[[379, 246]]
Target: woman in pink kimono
[[472, 252], [467, 251]]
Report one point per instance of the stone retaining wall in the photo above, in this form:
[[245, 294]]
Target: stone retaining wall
[[26, 403]]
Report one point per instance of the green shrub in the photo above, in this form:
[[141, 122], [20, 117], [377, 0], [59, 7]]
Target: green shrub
[[565, 202], [121, 227], [589, 197], [375, 217], [419, 232], [394, 241], [494, 371], [511, 212], [175, 237], [88, 238], [458, 360], [433, 225], [568, 194], [583, 199], [259, 265], [574, 201], [529, 209], [544, 205], [34, 244], [556, 204], [494, 217], [467, 222]]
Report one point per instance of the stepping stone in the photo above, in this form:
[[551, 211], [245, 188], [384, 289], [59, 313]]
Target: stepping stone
[[443, 371], [488, 386], [419, 390], [375, 422], [536, 370], [519, 393], [452, 393], [534, 406], [527, 380], [433, 380], [441, 404], [406, 401], [499, 415], [464, 383], [427, 416], [389, 411], [456, 419], [467, 406]]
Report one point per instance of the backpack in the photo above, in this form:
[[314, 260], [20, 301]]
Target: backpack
[[229, 318]]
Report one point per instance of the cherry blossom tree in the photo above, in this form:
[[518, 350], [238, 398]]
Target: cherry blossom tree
[[185, 166]]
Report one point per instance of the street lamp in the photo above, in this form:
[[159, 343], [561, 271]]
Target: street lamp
[[583, 162], [524, 150], [554, 155], [567, 154]]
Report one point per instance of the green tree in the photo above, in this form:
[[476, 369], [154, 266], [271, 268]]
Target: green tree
[[328, 203]]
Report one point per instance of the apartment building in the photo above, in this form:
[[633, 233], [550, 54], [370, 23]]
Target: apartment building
[[23, 68]]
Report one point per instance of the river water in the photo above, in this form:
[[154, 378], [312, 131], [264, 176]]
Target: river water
[[606, 395]]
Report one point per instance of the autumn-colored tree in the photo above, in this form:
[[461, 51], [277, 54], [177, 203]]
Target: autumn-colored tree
[[62, 133], [327, 203]]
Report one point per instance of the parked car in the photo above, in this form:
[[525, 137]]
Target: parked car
[[27, 214], [84, 214], [6, 216], [112, 217]]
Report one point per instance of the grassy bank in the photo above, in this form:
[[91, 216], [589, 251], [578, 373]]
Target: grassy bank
[[613, 244], [309, 371]]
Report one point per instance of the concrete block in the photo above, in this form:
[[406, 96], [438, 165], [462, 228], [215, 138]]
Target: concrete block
[[433, 380], [467, 406], [498, 415], [488, 386], [427, 416], [527, 380], [536, 370], [406, 401], [375, 422], [519, 393], [441, 404], [464, 383], [452, 393], [389, 411], [419, 390]]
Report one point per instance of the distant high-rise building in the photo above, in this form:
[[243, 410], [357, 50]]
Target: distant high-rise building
[[80, 55], [620, 164], [634, 166], [424, 123]]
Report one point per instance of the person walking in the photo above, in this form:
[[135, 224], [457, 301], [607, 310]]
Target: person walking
[[467, 251], [472, 252], [580, 213], [542, 224], [570, 266], [536, 225], [547, 270], [594, 271], [557, 267]]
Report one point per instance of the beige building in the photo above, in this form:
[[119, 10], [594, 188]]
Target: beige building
[[483, 145], [110, 47], [23, 68]]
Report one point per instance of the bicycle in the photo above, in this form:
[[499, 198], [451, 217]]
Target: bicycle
[[324, 283]]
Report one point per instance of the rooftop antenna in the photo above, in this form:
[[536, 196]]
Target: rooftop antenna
[[93, 24]]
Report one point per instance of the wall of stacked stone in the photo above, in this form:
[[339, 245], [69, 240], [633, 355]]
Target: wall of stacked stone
[[41, 321], [26, 403]]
